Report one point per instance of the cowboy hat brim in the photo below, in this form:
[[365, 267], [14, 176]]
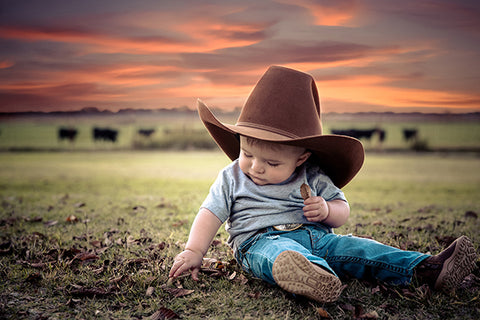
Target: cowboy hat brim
[[338, 156]]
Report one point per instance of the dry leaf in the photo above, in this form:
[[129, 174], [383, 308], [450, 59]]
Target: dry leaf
[[89, 292], [370, 315], [34, 219], [178, 292], [163, 313], [323, 313], [72, 219], [50, 223], [84, 257], [79, 204], [33, 277], [116, 279], [149, 291], [96, 243], [241, 279], [305, 191]]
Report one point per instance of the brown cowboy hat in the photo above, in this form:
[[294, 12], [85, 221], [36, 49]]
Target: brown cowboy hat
[[284, 107]]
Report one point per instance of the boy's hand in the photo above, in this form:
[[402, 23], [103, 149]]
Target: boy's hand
[[187, 260], [315, 209]]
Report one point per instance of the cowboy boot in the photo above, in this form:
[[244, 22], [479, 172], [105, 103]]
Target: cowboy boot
[[296, 274], [446, 270]]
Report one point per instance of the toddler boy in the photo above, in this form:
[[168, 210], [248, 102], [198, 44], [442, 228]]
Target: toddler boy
[[279, 236]]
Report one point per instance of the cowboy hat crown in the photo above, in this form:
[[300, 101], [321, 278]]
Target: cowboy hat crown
[[284, 107]]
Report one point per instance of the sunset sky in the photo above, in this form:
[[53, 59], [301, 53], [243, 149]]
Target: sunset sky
[[373, 55]]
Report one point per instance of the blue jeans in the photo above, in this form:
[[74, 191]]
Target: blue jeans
[[344, 256]]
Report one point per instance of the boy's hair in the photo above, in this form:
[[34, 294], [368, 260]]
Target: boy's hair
[[268, 144]]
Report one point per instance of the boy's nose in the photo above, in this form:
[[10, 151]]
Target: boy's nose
[[257, 166]]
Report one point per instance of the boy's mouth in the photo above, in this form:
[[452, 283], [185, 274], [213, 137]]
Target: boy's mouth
[[257, 180]]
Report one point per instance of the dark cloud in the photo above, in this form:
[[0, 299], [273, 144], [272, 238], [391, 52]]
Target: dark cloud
[[150, 53], [277, 52], [462, 15]]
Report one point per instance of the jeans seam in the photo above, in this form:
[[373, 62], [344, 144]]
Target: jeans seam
[[367, 262]]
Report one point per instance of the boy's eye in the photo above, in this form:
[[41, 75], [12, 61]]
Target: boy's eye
[[273, 164], [247, 155]]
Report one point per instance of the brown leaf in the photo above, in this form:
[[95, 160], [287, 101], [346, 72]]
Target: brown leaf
[[180, 223], [98, 270], [305, 191], [50, 223], [369, 315], [34, 219], [177, 292], [323, 313], [348, 307], [241, 279], [139, 208], [85, 257], [136, 261], [33, 277], [89, 292], [117, 279], [157, 246], [79, 204], [96, 243], [37, 265], [72, 219], [163, 313], [149, 291]]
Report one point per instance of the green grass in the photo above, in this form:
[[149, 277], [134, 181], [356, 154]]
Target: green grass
[[185, 131], [134, 210]]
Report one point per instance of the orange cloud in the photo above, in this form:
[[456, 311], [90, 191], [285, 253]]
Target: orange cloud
[[204, 39], [335, 13], [372, 90], [6, 64]]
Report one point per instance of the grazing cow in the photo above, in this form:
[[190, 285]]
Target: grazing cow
[[67, 133], [356, 133], [105, 134], [381, 135], [410, 134], [146, 132]]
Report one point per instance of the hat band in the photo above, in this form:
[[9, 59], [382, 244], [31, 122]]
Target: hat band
[[267, 128]]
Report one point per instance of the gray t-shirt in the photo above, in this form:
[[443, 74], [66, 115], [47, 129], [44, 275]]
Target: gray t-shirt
[[247, 207]]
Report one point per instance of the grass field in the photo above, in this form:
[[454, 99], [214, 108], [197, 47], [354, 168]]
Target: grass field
[[93, 234], [185, 131]]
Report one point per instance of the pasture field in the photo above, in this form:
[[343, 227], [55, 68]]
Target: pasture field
[[93, 234], [184, 131]]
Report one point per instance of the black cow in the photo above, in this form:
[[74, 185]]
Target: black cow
[[356, 133], [67, 134], [146, 132], [410, 134], [381, 135], [105, 134]]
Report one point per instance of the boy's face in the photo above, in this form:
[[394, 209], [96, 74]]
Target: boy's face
[[267, 163]]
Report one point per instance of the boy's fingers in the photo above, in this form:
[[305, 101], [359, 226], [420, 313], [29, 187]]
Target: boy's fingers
[[178, 268], [195, 274]]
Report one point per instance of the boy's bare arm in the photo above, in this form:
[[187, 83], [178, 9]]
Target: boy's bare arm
[[333, 213], [203, 230]]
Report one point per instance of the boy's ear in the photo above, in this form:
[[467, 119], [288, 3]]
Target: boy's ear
[[303, 158]]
